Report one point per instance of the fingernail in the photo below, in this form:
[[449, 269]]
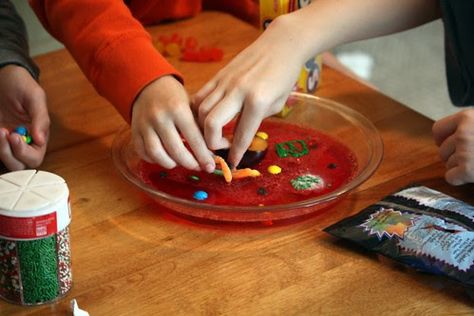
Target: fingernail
[[17, 139], [456, 182], [210, 168]]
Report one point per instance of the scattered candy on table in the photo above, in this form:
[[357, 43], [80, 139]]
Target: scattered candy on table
[[187, 49]]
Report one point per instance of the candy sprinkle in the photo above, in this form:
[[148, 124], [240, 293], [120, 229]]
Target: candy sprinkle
[[194, 178], [307, 182], [274, 169], [200, 195], [218, 172]]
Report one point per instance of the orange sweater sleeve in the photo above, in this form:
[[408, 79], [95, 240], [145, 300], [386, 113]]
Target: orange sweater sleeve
[[110, 46]]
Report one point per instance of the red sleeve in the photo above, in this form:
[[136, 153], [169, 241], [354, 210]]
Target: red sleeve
[[111, 47]]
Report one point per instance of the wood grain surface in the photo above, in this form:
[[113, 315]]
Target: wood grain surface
[[132, 257]]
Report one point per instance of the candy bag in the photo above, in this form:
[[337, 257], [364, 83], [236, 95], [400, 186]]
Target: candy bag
[[419, 227]]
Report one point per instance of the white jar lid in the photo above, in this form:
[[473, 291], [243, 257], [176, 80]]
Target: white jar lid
[[37, 199]]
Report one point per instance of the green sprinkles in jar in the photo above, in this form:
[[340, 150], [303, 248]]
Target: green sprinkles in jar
[[307, 182], [35, 255], [39, 269]]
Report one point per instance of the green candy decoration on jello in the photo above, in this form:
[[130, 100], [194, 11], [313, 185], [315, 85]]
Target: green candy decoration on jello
[[307, 182]]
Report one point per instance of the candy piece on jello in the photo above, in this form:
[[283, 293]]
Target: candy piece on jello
[[274, 169], [254, 154], [307, 182], [200, 195]]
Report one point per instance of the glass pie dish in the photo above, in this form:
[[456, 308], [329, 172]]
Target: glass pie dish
[[325, 116]]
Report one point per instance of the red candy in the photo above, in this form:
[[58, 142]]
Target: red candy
[[188, 49], [190, 43]]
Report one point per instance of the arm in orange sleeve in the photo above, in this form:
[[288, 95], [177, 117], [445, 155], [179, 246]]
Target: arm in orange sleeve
[[111, 47]]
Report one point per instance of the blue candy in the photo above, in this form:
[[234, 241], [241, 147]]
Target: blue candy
[[200, 195], [20, 129]]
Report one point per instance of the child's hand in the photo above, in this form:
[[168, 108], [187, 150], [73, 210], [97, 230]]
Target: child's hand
[[22, 102], [256, 83], [160, 113], [455, 137]]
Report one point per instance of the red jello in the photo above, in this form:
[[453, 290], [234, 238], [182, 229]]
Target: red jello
[[315, 164]]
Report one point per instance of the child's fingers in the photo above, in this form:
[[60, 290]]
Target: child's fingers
[[139, 146], [458, 176], [208, 104], [6, 154], [252, 115], [31, 156], [204, 92], [460, 168], [193, 136], [216, 119], [155, 151], [246, 129], [447, 147], [40, 118], [174, 146], [444, 128]]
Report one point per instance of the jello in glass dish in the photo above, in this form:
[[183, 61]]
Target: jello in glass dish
[[299, 165]]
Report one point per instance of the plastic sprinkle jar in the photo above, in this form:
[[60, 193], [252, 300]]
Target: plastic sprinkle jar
[[35, 255]]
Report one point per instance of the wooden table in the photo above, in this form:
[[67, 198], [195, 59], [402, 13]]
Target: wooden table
[[132, 258]]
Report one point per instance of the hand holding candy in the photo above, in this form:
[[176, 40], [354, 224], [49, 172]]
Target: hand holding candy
[[22, 101], [454, 135], [160, 113], [24, 133], [255, 84]]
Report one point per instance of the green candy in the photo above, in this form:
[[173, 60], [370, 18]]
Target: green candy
[[293, 148], [307, 182]]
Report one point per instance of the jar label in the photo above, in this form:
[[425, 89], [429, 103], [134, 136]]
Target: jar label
[[28, 227]]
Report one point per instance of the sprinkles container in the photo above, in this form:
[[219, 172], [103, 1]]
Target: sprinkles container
[[35, 255]]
